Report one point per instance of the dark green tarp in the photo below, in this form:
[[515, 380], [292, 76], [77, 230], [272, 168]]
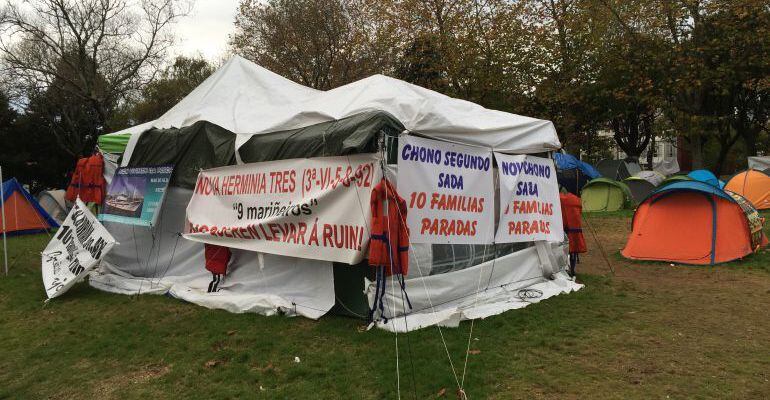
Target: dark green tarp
[[202, 145], [205, 145], [351, 135]]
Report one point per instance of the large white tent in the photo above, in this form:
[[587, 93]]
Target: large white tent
[[248, 100]]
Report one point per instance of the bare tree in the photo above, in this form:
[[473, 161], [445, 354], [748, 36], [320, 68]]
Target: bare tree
[[93, 52]]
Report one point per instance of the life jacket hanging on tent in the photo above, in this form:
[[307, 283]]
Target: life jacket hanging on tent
[[571, 214], [88, 180], [75, 182], [217, 258], [389, 244], [94, 175]]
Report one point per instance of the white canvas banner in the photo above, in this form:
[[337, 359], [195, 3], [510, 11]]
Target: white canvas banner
[[448, 190], [76, 249], [314, 208], [529, 200]]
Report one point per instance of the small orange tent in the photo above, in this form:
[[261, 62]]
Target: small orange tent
[[693, 222], [22, 212], [753, 185]]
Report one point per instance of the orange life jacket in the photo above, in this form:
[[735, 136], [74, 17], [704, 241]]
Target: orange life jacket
[[389, 231], [88, 180], [217, 258], [571, 216], [74, 187]]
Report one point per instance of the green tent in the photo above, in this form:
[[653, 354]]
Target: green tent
[[602, 194]]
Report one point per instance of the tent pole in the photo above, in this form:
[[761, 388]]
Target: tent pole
[[2, 211]]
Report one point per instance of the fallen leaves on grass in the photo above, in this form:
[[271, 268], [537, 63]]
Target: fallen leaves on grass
[[267, 368], [213, 363]]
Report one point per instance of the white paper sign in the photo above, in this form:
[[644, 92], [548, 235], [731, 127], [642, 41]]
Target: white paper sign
[[448, 190], [529, 200], [78, 246], [314, 208]]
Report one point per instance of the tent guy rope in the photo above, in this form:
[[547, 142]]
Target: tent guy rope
[[427, 294]]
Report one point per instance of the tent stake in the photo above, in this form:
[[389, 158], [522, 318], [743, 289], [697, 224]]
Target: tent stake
[[2, 210]]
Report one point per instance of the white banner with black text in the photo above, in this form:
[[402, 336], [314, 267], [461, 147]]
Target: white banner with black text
[[76, 249]]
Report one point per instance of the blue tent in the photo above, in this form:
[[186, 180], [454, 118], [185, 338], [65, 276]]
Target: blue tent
[[565, 161], [572, 173], [694, 186], [706, 176], [23, 214]]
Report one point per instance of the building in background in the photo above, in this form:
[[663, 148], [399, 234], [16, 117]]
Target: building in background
[[665, 156]]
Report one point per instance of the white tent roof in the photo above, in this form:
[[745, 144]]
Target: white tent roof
[[426, 112], [247, 99], [758, 162], [241, 97]]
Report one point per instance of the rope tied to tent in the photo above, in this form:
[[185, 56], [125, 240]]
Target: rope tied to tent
[[402, 218], [599, 244], [461, 392]]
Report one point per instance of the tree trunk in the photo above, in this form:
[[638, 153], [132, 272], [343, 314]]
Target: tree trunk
[[651, 152], [696, 152], [720, 162], [750, 140]]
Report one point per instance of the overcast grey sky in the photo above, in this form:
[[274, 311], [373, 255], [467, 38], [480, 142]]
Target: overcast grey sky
[[204, 32], [206, 29]]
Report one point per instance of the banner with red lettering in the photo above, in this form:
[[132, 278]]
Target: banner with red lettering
[[448, 189], [529, 200], [314, 208]]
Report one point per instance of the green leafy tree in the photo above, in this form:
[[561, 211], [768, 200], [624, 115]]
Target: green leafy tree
[[318, 43], [27, 151], [421, 63], [173, 84], [715, 88]]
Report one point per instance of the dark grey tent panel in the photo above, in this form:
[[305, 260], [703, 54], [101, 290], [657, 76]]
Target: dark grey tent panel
[[640, 189], [609, 168], [617, 169], [351, 135], [572, 179], [202, 145]]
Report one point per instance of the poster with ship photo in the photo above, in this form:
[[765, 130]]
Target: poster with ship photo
[[135, 195]]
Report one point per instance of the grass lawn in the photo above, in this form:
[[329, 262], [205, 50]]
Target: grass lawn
[[649, 330]]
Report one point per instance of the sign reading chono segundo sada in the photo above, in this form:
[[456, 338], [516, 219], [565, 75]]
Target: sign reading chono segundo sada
[[309, 208], [448, 189], [529, 200]]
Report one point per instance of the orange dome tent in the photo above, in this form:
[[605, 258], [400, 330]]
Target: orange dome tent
[[693, 222], [23, 214], [754, 185]]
